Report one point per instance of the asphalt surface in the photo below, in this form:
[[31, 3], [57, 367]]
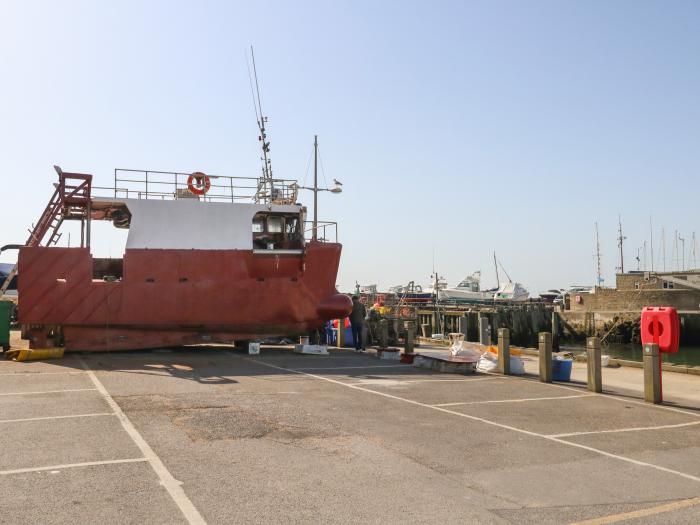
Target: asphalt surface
[[210, 435]]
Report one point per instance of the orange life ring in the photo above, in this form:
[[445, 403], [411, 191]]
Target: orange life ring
[[198, 183]]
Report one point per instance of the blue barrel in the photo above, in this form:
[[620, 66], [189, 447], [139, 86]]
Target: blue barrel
[[561, 370]]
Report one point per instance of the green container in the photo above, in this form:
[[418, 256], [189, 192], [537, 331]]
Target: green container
[[6, 308]]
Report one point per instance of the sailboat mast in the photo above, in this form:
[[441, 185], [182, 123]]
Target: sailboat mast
[[599, 279], [495, 264], [620, 240]]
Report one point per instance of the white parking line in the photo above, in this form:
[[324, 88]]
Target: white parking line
[[391, 382], [354, 367], [509, 400], [618, 398], [47, 392], [71, 465], [492, 423], [660, 427], [173, 486], [55, 417], [41, 373]]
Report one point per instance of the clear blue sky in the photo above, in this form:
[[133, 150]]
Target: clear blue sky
[[467, 127]]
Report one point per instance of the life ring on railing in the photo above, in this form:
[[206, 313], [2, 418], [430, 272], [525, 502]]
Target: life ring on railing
[[406, 312], [198, 183]]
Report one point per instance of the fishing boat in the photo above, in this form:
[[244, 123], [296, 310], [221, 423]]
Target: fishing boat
[[208, 259], [411, 293]]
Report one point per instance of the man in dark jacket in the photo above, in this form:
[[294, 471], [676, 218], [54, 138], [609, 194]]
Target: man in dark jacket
[[357, 323]]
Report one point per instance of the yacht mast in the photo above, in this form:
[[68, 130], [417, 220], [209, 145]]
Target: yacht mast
[[495, 264], [599, 279], [620, 240]]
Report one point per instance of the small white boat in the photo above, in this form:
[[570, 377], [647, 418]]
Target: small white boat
[[468, 290], [511, 291]]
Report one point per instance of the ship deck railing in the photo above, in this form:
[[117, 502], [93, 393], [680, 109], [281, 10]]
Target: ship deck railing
[[171, 185], [326, 231]]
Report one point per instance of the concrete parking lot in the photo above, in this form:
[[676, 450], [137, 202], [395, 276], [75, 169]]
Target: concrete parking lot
[[210, 435]]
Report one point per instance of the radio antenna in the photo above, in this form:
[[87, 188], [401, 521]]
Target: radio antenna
[[262, 121]]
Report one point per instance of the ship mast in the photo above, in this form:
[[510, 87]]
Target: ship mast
[[265, 185], [620, 240], [495, 263]]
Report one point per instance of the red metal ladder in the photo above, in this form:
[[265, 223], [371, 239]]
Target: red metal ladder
[[70, 201]]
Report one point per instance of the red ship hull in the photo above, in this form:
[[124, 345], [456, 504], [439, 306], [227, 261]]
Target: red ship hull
[[168, 297]]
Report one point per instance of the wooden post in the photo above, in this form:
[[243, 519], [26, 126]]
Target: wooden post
[[464, 326], [383, 333], [409, 343], [555, 330], [504, 351], [545, 350], [484, 338], [652, 374], [595, 377]]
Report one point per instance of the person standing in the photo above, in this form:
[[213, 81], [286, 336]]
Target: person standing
[[357, 323]]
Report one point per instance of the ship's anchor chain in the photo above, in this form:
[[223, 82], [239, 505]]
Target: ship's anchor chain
[[198, 183]]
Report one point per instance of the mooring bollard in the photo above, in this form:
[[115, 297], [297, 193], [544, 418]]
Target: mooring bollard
[[383, 333], [504, 351], [652, 374], [464, 327], [341, 333], [409, 343], [555, 330], [545, 351], [595, 376], [484, 334]]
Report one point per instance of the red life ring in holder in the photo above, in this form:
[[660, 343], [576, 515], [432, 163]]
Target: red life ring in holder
[[198, 183]]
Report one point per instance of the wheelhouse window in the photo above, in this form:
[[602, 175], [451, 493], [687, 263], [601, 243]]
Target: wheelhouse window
[[277, 231]]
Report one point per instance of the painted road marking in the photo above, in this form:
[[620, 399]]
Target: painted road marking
[[660, 427], [509, 400], [389, 381], [608, 396], [173, 486], [56, 417], [353, 367], [489, 422], [642, 513], [71, 465], [41, 373], [48, 392]]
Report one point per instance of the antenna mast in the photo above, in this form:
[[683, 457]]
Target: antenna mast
[[266, 181], [620, 240]]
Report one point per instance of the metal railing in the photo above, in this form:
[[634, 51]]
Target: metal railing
[[170, 185], [326, 231]]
